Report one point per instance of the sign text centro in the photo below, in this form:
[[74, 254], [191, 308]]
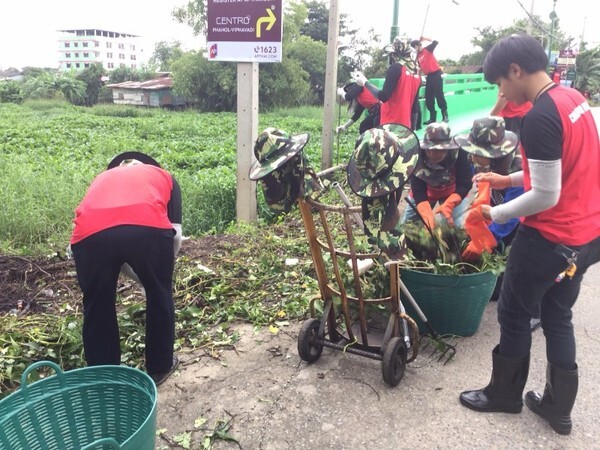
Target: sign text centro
[[244, 30]]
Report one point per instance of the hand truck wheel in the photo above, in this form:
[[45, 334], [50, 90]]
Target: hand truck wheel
[[394, 361], [308, 349]]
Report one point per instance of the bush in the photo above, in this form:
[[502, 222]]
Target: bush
[[10, 92]]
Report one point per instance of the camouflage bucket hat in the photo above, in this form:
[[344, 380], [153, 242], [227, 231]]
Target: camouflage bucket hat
[[488, 138], [125, 156], [437, 137], [272, 149], [383, 160]]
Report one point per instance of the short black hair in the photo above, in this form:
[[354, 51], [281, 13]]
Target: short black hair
[[521, 49]]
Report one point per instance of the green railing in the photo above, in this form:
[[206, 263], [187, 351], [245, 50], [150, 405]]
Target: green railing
[[468, 96]]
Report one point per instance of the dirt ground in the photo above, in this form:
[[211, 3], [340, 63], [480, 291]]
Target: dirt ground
[[40, 284]]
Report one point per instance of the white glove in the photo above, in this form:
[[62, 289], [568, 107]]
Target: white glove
[[177, 238], [360, 79], [344, 127], [341, 93]]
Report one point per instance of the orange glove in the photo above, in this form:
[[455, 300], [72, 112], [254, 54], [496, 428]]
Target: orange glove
[[424, 209], [482, 239], [483, 194], [446, 208]]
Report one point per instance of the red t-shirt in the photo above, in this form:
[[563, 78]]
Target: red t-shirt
[[428, 62], [126, 195], [397, 109], [561, 126], [513, 110]]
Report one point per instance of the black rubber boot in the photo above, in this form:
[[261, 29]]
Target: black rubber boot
[[432, 117], [558, 400], [505, 391], [445, 115]]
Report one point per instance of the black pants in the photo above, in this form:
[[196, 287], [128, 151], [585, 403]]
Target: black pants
[[371, 121], [434, 91], [98, 260], [529, 283]]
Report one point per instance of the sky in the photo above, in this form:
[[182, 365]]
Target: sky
[[28, 27]]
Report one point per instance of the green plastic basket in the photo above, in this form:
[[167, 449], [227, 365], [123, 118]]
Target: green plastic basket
[[452, 304], [98, 407]]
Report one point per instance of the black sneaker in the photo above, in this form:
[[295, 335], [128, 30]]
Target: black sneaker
[[160, 378]]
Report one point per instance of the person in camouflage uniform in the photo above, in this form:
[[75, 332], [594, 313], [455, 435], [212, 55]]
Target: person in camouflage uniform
[[382, 162], [442, 177], [492, 148], [283, 169]]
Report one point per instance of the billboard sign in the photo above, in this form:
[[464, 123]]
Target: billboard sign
[[244, 30]]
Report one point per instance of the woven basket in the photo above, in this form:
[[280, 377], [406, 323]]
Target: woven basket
[[98, 407], [452, 304]]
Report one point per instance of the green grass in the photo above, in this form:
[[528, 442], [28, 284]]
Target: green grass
[[50, 151]]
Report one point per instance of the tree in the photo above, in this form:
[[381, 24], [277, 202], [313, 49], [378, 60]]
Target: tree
[[211, 85], [316, 25], [192, 14], [164, 54], [587, 66], [92, 78], [73, 90], [284, 85], [312, 56]]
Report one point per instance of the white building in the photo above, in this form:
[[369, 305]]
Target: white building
[[79, 48]]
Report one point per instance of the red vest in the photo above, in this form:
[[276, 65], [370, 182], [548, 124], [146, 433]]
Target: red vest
[[575, 220], [366, 99], [127, 195], [398, 107], [428, 62]]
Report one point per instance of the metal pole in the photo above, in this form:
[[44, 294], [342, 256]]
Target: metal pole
[[395, 30], [551, 37]]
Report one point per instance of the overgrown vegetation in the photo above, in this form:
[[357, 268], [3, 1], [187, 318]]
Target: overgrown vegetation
[[49, 153]]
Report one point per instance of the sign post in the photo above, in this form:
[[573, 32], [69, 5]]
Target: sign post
[[246, 32]]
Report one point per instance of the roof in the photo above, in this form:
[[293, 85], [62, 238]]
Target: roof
[[152, 85]]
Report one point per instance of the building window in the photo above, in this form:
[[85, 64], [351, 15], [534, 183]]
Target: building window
[[68, 65], [122, 65], [86, 65], [121, 55], [111, 65], [133, 66], [109, 55], [85, 44], [96, 44], [122, 46], [97, 54], [75, 44], [77, 65], [109, 45], [76, 55], [67, 55], [133, 48], [133, 57], [86, 55], [67, 44]]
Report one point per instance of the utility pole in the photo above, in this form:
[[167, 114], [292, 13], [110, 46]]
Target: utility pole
[[530, 21], [395, 30], [551, 37], [330, 84]]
